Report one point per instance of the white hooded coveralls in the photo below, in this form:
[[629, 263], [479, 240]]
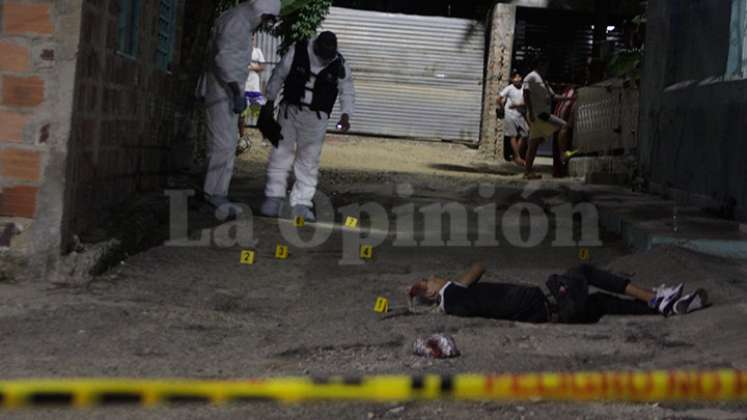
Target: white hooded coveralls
[[303, 132], [229, 60]]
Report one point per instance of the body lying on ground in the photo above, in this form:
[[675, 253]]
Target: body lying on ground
[[569, 300]]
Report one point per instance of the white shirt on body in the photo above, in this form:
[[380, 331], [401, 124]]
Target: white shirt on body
[[513, 96], [540, 93]]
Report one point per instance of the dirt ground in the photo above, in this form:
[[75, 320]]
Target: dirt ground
[[196, 312]]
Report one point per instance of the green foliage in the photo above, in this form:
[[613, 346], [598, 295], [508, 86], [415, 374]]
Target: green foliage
[[290, 7], [626, 64], [300, 20]]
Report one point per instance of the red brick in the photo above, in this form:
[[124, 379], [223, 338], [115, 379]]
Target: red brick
[[19, 164], [11, 126], [23, 18], [23, 91], [18, 202], [14, 57]]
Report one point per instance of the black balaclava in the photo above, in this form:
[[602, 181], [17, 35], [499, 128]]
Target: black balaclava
[[325, 46]]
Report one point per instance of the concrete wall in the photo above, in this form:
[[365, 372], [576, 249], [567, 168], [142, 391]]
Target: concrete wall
[[497, 76], [692, 134], [38, 46]]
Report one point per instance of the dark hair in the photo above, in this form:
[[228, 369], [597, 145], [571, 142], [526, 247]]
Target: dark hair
[[419, 294]]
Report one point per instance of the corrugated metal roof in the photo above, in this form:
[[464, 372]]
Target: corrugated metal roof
[[415, 76]]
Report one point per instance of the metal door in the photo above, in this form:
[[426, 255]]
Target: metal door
[[415, 76]]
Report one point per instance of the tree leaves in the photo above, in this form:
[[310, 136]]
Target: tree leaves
[[300, 20]]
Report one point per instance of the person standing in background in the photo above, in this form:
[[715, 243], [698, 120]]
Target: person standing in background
[[566, 110], [254, 96], [253, 86], [538, 97], [515, 126]]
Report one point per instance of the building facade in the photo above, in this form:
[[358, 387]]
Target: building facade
[[694, 103], [94, 95]]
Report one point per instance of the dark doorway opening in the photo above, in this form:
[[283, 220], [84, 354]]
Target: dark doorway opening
[[566, 39]]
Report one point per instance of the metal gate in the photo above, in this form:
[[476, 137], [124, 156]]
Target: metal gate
[[415, 76]]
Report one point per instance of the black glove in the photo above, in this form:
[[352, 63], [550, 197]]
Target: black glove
[[267, 125], [238, 99]]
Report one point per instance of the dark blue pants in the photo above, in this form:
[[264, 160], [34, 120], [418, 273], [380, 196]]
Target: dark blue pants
[[596, 305]]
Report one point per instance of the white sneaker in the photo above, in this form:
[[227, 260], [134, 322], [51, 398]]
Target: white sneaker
[[691, 302], [666, 298]]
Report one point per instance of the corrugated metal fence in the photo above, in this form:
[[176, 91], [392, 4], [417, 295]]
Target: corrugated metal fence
[[415, 76]]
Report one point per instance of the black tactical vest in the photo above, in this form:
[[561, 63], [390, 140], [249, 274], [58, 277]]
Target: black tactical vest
[[325, 89]]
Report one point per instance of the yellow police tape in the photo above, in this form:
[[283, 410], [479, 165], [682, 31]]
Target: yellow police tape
[[724, 385]]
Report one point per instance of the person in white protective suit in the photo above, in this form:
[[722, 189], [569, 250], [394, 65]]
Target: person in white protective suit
[[313, 75], [222, 88]]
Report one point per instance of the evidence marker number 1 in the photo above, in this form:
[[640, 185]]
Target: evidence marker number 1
[[382, 305], [281, 252]]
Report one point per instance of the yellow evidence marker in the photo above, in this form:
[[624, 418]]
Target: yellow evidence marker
[[281, 252], [247, 257], [366, 252], [382, 305], [584, 254], [351, 222], [299, 222]]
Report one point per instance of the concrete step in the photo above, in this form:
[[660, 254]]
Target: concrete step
[[645, 222]]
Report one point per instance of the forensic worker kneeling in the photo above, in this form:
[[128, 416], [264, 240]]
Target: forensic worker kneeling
[[313, 74], [569, 301], [222, 89]]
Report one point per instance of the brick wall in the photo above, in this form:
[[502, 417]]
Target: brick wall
[[126, 114], [82, 127], [25, 26], [38, 46]]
